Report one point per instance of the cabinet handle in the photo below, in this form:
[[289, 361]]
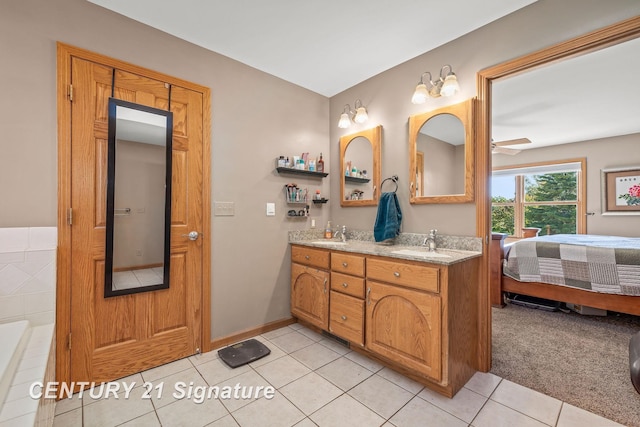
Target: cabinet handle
[[344, 264], [369, 296], [345, 285], [343, 317], [325, 286], [397, 274], [306, 257]]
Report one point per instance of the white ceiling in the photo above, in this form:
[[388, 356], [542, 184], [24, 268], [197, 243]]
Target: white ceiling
[[579, 99], [326, 46]]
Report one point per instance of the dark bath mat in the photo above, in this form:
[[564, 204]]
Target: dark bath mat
[[243, 352]]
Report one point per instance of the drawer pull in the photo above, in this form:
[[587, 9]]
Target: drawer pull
[[345, 285], [397, 274], [306, 257], [343, 317], [344, 264]]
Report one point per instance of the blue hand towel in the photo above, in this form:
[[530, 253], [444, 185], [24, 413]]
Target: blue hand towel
[[389, 217]]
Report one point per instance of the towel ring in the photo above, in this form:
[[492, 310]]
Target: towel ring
[[394, 179]]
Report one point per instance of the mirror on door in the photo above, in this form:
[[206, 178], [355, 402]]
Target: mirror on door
[[138, 199]]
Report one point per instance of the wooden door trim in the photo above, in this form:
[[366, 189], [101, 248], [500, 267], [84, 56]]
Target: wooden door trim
[[63, 274]]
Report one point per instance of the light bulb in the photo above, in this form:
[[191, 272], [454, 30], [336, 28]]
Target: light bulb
[[450, 85], [420, 95], [344, 122], [361, 115]]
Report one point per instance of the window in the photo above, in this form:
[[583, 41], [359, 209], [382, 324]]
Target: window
[[547, 196]]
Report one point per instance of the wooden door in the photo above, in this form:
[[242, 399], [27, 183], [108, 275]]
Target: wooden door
[[403, 325], [117, 336], [310, 295]]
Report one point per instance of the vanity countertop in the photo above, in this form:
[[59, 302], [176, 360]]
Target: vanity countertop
[[443, 256]]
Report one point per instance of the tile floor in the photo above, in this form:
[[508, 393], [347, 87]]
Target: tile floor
[[137, 278], [317, 382]]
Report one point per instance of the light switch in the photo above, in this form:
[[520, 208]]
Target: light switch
[[271, 209]]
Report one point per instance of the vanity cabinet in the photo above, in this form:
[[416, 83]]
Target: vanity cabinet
[[346, 302], [403, 321], [423, 318], [310, 285], [419, 318]]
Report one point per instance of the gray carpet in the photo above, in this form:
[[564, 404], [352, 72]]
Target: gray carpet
[[582, 360]]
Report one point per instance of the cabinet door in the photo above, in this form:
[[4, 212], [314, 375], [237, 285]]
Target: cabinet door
[[310, 295], [404, 326]]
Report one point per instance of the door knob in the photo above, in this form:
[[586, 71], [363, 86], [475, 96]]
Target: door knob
[[193, 235]]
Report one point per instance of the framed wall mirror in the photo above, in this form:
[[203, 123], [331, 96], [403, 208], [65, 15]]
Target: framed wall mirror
[[360, 168], [441, 155], [138, 199]]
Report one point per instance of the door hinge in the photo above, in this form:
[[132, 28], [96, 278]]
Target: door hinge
[[70, 216], [69, 341], [70, 93]]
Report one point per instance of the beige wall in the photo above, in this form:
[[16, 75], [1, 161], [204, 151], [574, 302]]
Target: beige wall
[[620, 151], [440, 168], [387, 96], [250, 127]]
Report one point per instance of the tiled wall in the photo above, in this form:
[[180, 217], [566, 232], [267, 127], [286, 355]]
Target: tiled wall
[[28, 274]]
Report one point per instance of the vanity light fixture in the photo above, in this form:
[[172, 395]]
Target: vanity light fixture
[[359, 115], [445, 85]]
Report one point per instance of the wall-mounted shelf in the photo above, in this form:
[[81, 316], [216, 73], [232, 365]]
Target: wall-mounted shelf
[[320, 201], [297, 216], [292, 171], [355, 179]]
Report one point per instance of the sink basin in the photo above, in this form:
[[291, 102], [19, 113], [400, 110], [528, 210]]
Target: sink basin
[[421, 253], [328, 242]]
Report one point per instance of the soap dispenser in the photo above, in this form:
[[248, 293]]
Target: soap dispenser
[[327, 231]]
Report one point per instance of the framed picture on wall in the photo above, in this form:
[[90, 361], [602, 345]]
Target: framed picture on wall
[[620, 189]]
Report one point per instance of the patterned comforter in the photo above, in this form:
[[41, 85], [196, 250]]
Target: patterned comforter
[[597, 263]]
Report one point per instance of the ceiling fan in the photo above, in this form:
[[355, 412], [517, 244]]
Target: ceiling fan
[[499, 147]]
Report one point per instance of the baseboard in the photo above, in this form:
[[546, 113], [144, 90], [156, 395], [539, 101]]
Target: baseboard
[[230, 339]]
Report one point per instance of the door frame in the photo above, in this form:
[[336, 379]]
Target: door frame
[[591, 41], [63, 271]]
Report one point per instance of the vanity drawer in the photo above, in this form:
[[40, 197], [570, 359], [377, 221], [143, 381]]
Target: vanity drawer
[[346, 317], [310, 256], [346, 263], [346, 284], [405, 274]]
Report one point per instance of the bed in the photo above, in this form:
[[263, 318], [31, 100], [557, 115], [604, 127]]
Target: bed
[[594, 271]]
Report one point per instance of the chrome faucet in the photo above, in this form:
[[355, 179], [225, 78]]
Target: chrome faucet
[[430, 241], [343, 233]]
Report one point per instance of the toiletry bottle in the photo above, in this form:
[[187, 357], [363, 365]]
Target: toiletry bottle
[[320, 164], [327, 231], [318, 195]]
